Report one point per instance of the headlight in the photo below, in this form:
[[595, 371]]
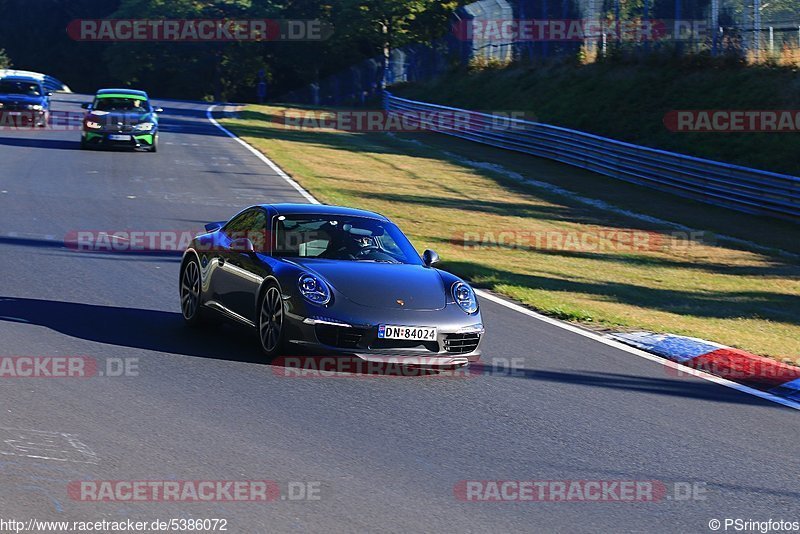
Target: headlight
[[35, 107], [144, 126], [314, 289], [465, 297], [1, 105], [93, 125]]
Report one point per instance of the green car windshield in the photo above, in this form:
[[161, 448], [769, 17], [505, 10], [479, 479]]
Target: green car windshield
[[121, 104]]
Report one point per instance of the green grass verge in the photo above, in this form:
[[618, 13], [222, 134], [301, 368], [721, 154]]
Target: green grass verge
[[437, 189]]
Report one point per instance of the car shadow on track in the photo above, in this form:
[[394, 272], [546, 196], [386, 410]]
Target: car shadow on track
[[37, 142], [154, 330], [73, 247], [682, 385], [165, 332], [159, 331]]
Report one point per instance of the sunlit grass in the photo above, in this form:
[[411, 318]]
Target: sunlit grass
[[744, 298]]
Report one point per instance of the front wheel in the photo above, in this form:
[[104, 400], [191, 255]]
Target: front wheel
[[154, 146], [270, 322], [190, 293]]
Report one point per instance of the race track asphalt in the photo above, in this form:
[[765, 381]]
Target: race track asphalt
[[386, 452]]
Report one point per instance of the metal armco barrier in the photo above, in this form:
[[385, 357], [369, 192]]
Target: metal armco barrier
[[731, 186]]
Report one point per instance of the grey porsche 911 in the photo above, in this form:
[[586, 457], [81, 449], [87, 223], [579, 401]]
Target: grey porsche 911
[[330, 280]]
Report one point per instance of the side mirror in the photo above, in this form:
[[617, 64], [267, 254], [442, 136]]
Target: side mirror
[[158, 110], [430, 258], [243, 244], [86, 106]]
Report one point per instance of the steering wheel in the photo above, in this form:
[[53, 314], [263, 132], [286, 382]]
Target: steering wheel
[[366, 250]]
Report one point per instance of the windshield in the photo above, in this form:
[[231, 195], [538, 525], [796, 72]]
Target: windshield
[[121, 104], [20, 88], [342, 238]]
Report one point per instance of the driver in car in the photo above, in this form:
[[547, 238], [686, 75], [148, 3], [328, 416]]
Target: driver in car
[[344, 244]]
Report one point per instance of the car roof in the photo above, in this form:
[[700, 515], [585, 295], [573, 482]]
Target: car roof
[[132, 92], [322, 209], [27, 79]]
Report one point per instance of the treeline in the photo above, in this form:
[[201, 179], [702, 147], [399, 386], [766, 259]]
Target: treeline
[[33, 34]]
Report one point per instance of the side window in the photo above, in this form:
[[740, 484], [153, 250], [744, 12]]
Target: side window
[[251, 224], [302, 238]]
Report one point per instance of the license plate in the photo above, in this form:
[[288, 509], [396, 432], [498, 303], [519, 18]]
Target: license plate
[[410, 333], [119, 137], [14, 113]]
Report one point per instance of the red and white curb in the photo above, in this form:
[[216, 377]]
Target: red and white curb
[[757, 372]]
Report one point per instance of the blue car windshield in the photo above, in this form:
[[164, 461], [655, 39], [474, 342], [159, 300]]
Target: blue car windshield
[[20, 88], [342, 238]]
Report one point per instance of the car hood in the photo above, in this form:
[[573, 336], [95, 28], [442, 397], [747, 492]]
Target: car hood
[[382, 285], [22, 99], [123, 117]]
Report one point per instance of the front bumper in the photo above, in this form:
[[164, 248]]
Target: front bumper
[[457, 344], [119, 139]]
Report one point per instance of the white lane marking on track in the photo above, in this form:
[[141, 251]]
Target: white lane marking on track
[[538, 316], [308, 196], [642, 354]]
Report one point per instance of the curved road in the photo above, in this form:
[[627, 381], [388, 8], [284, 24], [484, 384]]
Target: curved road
[[384, 453]]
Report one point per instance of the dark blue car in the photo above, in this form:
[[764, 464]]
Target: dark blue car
[[24, 101]]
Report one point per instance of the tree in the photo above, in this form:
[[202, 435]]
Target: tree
[[393, 23]]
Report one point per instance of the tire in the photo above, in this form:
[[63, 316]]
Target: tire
[[190, 292], [271, 318], [84, 144], [154, 147]]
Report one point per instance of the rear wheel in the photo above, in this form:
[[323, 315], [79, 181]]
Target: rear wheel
[[190, 293], [270, 322]]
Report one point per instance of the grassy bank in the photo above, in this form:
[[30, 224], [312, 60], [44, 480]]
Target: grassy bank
[[629, 102], [440, 190]]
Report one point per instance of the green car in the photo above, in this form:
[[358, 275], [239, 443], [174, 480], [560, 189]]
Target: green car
[[120, 118]]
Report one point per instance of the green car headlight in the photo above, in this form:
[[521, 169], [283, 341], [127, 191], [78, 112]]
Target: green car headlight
[[144, 126], [93, 125]]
